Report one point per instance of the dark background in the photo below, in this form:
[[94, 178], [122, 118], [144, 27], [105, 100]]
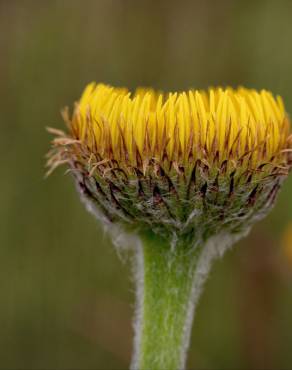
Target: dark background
[[66, 300]]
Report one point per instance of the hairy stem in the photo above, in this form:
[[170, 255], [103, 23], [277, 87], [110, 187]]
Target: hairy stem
[[168, 287]]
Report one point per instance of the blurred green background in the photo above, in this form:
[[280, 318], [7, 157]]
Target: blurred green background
[[66, 298]]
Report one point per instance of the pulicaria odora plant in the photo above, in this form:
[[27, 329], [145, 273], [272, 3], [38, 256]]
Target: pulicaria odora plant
[[189, 173]]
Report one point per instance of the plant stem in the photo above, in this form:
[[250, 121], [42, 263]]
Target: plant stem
[[166, 294]]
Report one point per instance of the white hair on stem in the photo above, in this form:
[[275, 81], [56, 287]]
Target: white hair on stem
[[214, 248]]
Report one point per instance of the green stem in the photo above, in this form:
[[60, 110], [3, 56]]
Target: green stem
[[166, 294]]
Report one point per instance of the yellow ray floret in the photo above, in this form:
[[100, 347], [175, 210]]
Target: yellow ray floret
[[226, 123]]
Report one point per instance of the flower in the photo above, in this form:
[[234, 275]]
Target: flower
[[187, 164], [189, 173]]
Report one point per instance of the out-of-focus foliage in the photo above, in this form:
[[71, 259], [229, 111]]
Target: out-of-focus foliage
[[66, 299]]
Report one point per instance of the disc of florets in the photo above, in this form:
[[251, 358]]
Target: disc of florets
[[190, 164]]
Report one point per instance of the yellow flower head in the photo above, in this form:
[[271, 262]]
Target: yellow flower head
[[191, 162], [182, 126]]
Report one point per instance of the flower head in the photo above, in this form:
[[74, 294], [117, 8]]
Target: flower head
[[192, 163]]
